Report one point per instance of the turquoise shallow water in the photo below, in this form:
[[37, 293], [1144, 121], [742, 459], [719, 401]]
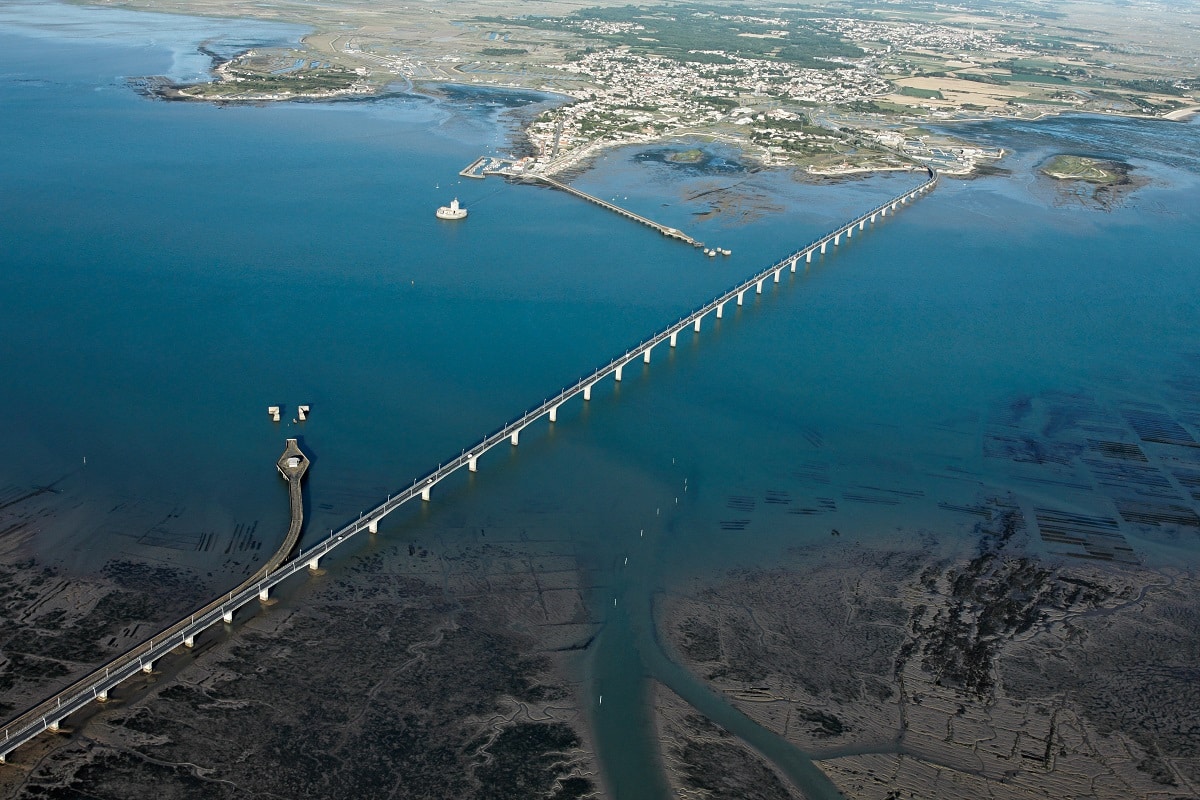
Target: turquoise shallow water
[[172, 269]]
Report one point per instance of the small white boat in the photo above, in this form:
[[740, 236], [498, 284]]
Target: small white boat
[[452, 211]]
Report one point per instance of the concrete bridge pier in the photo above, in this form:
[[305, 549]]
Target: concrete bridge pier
[[808, 257], [720, 310], [619, 371], [696, 324], [314, 563], [674, 336], [862, 224], [873, 219], [102, 696], [473, 461], [646, 356], [794, 260], [227, 617], [148, 667], [373, 525], [837, 238], [425, 491], [587, 392], [515, 438], [189, 641], [264, 594], [823, 247], [758, 287], [53, 726], [740, 297], [781, 270], [894, 206], [553, 416]]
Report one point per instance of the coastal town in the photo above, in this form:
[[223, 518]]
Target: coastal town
[[828, 94]]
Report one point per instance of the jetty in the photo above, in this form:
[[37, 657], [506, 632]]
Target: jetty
[[50, 714], [673, 233]]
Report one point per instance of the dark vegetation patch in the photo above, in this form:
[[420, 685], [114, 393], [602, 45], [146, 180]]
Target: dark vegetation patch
[[380, 686]]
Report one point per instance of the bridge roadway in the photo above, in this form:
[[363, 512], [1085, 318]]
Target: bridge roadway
[[47, 715], [50, 714]]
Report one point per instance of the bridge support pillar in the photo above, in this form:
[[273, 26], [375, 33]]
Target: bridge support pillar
[[473, 461], [315, 564], [619, 371], [808, 257], [794, 260], [883, 211], [587, 392], [227, 617], [781, 270], [515, 438], [849, 231], [646, 356], [739, 300], [837, 238], [720, 310], [862, 223], [554, 413], [823, 247], [102, 696], [53, 726], [758, 287], [425, 492], [264, 594], [373, 525], [873, 219], [148, 667], [674, 336], [894, 206], [189, 641]]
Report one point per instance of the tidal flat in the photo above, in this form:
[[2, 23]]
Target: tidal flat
[[990, 398]]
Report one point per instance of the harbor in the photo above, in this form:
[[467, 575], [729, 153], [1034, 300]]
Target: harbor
[[525, 169]]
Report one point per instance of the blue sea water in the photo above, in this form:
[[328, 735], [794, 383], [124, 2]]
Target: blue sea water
[[172, 269]]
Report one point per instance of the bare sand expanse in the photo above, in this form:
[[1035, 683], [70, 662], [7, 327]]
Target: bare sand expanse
[[919, 670]]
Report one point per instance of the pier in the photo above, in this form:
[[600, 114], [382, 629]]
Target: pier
[[48, 715], [673, 233]]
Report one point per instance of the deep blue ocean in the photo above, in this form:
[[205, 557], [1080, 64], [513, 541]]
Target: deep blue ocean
[[171, 269]]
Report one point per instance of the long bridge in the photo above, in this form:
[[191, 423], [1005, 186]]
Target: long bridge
[[50, 714]]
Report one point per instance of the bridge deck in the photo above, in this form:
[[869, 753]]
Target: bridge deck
[[43, 716], [78, 694]]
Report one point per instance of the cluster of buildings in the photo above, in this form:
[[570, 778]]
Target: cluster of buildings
[[921, 36], [641, 96]]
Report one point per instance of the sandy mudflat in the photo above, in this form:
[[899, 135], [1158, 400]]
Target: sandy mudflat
[[921, 669]]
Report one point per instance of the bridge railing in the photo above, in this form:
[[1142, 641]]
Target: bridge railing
[[50, 712]]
